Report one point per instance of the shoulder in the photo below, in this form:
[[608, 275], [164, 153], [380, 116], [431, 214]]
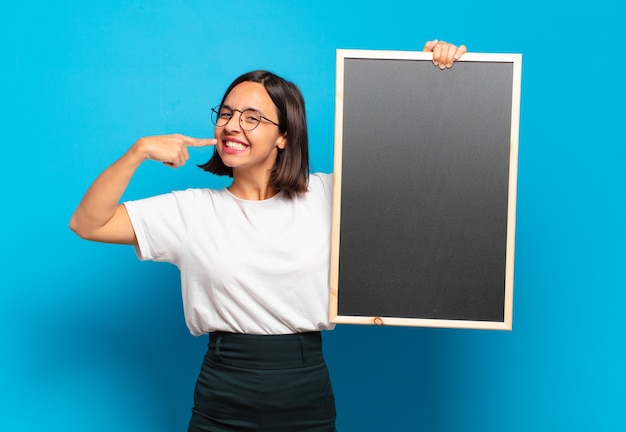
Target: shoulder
[[176, 199], [320, 180], [321, 184], [195, 194]]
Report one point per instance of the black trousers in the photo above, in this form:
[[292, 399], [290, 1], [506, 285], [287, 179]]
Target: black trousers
[[263, 383]]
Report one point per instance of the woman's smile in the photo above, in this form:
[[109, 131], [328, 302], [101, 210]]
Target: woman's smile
[[234, 146]]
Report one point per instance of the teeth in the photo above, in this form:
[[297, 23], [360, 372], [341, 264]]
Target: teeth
[[234, 145]]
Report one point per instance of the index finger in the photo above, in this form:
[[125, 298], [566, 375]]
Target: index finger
[[200, 142]]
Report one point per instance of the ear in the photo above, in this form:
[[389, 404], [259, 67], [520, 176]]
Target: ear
[[281, 141]]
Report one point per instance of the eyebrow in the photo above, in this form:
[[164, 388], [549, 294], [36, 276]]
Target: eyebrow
[[247, 108]]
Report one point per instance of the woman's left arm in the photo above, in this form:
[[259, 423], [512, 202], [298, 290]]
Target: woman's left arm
[[444, 54]]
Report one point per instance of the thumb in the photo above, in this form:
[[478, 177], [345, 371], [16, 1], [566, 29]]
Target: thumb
[[429, 45]]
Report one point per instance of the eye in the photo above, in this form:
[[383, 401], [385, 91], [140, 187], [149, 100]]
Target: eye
[[225, 114], [251, 116]]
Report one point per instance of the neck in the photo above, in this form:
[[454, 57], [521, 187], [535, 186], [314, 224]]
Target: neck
[[251, 188]]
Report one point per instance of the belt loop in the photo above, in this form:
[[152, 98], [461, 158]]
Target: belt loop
[[302, 349], [218, 342]]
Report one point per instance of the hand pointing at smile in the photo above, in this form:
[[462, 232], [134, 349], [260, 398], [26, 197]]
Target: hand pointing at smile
[[170, 149]]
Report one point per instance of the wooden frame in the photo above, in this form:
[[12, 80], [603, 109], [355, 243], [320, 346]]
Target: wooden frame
[[425, 190]]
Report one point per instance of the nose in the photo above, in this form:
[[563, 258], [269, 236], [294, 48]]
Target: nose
[[234, 123]]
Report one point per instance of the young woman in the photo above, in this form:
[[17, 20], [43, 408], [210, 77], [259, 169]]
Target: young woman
[[253, 257]]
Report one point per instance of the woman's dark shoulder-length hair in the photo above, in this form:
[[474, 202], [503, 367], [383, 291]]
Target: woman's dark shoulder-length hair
[[291, 170]]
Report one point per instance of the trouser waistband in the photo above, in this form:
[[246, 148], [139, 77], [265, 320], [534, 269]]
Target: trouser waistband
[[266, 351]]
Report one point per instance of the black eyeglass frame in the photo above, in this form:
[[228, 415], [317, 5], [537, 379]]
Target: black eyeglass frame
[[216, 115]]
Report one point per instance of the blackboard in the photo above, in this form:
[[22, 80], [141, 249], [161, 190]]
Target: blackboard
[[425, 190]]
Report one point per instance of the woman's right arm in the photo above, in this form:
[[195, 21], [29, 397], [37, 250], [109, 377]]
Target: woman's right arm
[[100, 216]]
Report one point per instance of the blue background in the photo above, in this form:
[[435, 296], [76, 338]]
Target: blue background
[[93, 340]]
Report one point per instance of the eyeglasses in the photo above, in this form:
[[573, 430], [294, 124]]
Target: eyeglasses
[[248, 118]]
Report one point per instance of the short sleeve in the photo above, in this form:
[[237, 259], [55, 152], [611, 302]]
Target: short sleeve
[[158, 226]]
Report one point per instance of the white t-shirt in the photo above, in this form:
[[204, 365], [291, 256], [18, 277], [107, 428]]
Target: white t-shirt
[[256, 267]]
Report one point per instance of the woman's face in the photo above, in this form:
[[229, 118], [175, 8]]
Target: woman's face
[[255, 150]]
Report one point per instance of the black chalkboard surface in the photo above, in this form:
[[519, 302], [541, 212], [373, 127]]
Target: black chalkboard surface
[[425, 188]]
